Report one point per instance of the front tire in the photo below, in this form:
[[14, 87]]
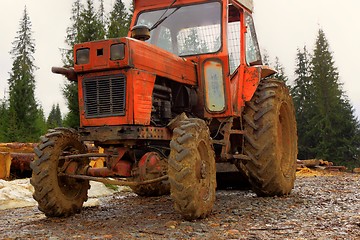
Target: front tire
[[192, 169], [58, 196], [271, 139]]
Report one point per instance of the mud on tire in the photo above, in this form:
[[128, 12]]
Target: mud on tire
[[58, 196], [153, 189], [271, 139], [192, 170]]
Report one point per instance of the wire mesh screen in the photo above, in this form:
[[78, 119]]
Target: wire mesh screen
[[234, 45], [199, 40]]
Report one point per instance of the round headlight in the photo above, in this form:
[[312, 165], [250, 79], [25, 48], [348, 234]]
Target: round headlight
[[117, 51], [82, 56]]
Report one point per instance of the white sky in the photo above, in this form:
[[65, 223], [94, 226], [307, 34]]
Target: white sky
[[282, 27]]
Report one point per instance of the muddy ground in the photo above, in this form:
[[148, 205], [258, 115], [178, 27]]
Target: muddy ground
[[320, 207]]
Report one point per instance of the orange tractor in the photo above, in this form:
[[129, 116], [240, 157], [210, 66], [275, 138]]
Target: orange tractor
[[184, 95]]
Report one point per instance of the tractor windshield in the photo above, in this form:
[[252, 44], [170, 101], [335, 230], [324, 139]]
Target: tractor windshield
[[187, 30]]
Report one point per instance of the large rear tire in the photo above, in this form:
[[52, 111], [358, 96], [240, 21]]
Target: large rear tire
[[192, 170], [271, 139], [58, 196]]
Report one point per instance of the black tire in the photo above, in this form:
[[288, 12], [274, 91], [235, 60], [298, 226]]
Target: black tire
[[271, 139], [58, 196], [192, 170]]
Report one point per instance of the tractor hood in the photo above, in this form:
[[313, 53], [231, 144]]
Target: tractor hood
[[122, 53]]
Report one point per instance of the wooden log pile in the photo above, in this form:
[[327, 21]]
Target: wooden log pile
[[319, 164], [15, 156]]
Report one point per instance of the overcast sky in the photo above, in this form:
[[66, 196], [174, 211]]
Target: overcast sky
[[282, 27]]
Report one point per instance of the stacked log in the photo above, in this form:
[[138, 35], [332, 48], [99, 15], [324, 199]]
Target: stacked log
[[5, 163], [320, 164], [16, 156]]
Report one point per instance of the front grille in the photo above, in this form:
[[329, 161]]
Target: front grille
[[105, 96]]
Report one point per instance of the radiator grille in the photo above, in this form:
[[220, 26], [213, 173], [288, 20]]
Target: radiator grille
[[105, 96]]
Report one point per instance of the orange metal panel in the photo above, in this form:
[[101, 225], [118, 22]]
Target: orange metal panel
[[140, 55], [100, 61], [127, 119], [139, 85], [236, 99], [160, 62], [143, 85], [251, 80]]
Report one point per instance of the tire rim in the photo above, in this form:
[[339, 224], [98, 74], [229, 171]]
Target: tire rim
[[70, 187]]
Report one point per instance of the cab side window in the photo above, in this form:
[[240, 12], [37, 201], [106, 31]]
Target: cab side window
[[253, 56], [233, 38]]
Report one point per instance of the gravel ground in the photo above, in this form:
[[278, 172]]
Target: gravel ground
[[320, 207]]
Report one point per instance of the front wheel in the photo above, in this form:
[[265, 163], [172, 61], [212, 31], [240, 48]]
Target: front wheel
[[151, 166], [192, 169], [56, 195], [271, 139]]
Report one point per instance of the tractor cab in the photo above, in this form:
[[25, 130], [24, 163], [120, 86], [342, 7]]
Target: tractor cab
[[218, 37], [192, 28]]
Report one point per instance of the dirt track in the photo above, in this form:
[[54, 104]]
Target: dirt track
[[320, 207]]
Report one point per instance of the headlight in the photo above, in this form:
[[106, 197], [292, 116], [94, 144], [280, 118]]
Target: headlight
[[82, 56], [117, 51]]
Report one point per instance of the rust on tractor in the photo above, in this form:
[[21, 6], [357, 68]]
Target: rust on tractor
[[106, 133], [116, 166], [184, 91]]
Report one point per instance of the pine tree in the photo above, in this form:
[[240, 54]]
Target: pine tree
[[41, 122], [86, 26], [280, 70], [23, 110], [102, 19], [3, 120], [130, 15], [118, 21], [266, 58], [70, 91], [334, 124], [72, 33], [303, 102], [90, 28], [58, 115], [54, 119]]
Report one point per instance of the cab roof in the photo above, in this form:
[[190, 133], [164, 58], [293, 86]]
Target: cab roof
[[249, 4]]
